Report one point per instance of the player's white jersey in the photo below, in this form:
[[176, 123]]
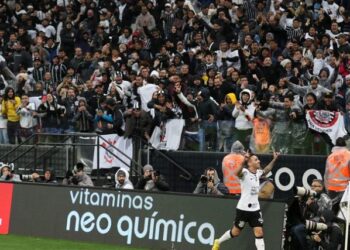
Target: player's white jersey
[[250, 190]]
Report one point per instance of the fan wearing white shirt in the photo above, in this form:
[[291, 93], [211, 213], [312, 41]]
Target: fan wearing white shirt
[[248, 207], [331, 8], [27, 120], [45, 27]]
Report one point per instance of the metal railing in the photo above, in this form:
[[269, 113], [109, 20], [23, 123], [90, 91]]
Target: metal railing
[[186, 174], [34, 142], [62, 142]]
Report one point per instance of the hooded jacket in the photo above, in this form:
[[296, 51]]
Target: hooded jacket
[[127, 183], [237, 148], [244, 118], [207, 106], [83, 119]]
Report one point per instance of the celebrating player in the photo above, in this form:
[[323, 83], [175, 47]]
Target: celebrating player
[[248, 207]]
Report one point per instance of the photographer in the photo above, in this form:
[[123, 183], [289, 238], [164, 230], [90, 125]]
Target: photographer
[[78, 177], [152, 180], [331, 238], [8, 175], [210, 184], [305, 211], [318, 203], [47, 178]]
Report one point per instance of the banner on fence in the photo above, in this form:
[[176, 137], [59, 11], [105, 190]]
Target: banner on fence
[[141, 219], [168, 137], [114, 151]]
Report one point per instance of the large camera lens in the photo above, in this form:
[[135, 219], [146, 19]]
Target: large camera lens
[[204, 179]]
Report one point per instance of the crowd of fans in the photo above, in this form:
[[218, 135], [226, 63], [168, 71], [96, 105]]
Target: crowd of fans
[[233, 70]]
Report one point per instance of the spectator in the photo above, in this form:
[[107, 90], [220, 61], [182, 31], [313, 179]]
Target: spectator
[[122, 180], [51, 114], [57, 70], [170, 44], [10, 104], [138, 123], [226, 123], [27, 114], [116, 115], [3, 126], [145, 21], [67, 38], [83, 119], [207, 114], [244, 114]]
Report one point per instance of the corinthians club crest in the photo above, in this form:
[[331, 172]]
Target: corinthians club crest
[[110, 149], [323, 118]]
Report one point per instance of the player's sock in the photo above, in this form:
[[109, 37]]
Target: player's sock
[[226, 236], [259, 243]]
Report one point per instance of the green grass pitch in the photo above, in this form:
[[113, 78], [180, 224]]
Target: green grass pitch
[[15, 242]]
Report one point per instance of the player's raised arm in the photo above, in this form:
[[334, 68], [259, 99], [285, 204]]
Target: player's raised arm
[[238, 171], [269, 167]]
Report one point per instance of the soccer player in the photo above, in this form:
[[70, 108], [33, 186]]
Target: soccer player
[[248, 207]]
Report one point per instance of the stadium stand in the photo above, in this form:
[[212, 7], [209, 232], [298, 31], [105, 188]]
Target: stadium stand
[[174, 75]]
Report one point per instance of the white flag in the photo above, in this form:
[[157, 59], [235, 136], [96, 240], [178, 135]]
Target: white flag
[[343, 212], [146, 93], [108, 154], [169, 136], [329, 122], [173, 132]]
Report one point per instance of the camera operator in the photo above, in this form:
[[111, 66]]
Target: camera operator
[[304, 213], [210, 183], [318, 203], [8, 175], [48, 177], [331, 238], [77, 177], [152, 180]]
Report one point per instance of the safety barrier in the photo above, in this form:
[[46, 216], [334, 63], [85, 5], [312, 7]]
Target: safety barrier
[[141, 219]]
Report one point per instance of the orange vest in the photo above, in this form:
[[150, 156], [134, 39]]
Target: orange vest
[[337, 173], [229, 165], [261, 132]]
